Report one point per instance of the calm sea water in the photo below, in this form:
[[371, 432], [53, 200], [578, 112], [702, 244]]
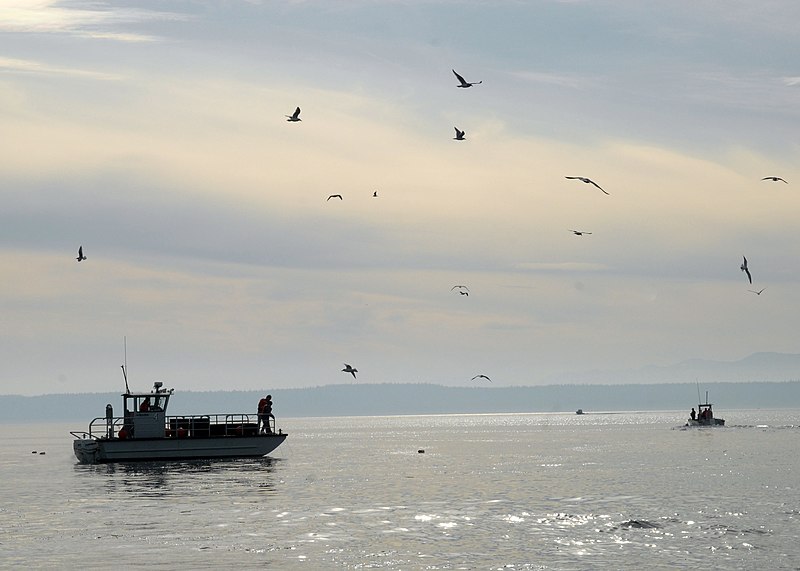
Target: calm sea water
[[521, 491]]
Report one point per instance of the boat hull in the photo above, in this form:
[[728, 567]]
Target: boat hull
[[99, 451], [709, 423]]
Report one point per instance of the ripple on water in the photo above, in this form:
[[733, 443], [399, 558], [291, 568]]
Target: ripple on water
[[521, 492]]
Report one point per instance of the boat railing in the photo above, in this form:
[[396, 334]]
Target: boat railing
[[181, 426], [100, 428]]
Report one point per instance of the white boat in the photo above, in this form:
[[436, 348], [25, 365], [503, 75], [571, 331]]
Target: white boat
[[704, 416], [145, 432]]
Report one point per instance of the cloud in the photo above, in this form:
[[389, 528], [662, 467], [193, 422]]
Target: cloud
[[562, 266], [86, 19], [211, 170], [12, 65], [559, 79]]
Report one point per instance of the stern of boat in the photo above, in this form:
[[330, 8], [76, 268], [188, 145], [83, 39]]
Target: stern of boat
[[87, 450]]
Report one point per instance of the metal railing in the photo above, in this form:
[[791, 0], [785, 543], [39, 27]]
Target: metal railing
[[180, 426]]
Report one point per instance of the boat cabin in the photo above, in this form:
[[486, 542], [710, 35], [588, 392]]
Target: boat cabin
[[704, 412], [144, 413]]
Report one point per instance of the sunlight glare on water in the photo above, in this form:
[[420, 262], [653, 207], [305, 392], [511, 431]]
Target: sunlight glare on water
[[516, 491]]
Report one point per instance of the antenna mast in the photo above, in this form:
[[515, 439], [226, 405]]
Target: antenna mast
[[125, 366]]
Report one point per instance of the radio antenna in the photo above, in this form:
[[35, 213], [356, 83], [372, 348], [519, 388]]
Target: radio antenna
[[125, 366]]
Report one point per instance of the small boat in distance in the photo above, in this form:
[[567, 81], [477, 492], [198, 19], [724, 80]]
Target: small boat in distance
[[579, 411], [145, 432], [704, 416]]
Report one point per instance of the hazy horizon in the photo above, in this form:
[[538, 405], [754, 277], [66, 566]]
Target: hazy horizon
[[759, 368], [421, 399], [155, 136]]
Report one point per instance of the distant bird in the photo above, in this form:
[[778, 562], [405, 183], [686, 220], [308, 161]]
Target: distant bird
[[579, 232], [743, 267], [375, 194], [349, 369], [80, 257], [757, 292], [294, 117], [339, 196], [459, 134], [481, 377], [464, 83], [462, 289], [774, 179], [586, 180]]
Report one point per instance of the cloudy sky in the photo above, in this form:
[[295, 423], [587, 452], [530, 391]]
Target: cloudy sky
[[154, 135]]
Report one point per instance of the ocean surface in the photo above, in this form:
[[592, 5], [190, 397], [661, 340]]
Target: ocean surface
[[517, 491]]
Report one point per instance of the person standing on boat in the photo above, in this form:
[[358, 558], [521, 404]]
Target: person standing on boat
[[267, 412], [261, 419], [693, 414]]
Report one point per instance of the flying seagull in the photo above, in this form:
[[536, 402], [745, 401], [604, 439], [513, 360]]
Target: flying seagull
[[757, 292], [462, 289], [339, 196], [774, 179], [579, 232], [464, 83], [459, 134], [80, 257], [586, 180], [294, 117], [743, 267], [481, 377], [349, 369]]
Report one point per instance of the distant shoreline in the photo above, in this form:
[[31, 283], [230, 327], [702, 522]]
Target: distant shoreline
[[425, 399]]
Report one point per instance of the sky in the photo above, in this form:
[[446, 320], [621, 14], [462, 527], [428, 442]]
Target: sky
[[154, 135]]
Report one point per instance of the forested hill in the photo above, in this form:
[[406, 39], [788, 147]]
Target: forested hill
[[390, 399]]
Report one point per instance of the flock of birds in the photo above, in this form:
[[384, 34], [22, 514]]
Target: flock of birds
[[463, 289]]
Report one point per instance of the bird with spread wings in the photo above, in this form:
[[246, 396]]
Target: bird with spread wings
[[464, 83]]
